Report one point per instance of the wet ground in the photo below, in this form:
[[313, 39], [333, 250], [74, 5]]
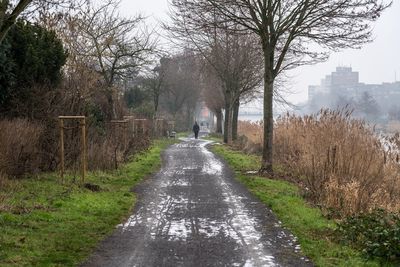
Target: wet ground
[[194, 213]]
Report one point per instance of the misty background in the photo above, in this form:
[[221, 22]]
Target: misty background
[[376, 63]]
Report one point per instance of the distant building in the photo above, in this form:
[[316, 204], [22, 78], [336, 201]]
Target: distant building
[[344, 83], [339, 81]]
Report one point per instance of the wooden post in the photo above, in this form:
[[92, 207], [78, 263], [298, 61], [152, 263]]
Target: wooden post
[[84, 149], [62, 150], [125, 134], [130, 125], [83, 145], [115, 124]]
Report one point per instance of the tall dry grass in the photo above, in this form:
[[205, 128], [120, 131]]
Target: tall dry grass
[[340, 161], [28, 147], [19, 147], [115, 146], [251, 136]]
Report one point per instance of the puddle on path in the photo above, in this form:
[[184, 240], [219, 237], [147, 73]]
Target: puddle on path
[[166, 207]]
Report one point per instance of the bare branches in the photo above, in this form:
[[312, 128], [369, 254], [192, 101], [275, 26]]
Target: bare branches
[[181, 82], [291, 33], [10, 10], [116, 47], [331, 24]]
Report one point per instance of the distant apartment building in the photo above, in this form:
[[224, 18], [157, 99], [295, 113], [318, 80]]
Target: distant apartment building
[[344, 82], [340, 81]]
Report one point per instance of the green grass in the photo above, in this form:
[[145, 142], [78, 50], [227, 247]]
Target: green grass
[[44, 223], [183, 134], [314, 231], [214, 137]]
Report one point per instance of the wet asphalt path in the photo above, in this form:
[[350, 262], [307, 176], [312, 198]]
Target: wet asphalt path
[[193, 213]]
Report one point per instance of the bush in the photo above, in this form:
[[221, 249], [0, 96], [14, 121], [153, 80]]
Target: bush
[[377, 234], [340, 161], [31, 147], [112, 149], [343, 163], [251, 136], [19, 147], [34, 57]]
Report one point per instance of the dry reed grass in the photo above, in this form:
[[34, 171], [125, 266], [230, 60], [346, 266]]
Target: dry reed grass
[[341, 162], [253, 131], [115, 147], [393, 126], [19, 147], [27, 147]]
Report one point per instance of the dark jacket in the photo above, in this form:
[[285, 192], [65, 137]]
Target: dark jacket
[[196, 128]]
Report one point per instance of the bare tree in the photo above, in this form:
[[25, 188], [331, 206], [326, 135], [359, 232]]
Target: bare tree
[[181, 86], [232, 51], [155, 82], [236, 60], [291, 33], [10, 10], [116, 47], [212, 93], [368, 106]]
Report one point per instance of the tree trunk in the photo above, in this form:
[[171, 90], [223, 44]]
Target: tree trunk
[[218, 113], [235, 118], [155, 100], [228, 119], [111, 105], [226, 123], [266, 162], [7, 20]]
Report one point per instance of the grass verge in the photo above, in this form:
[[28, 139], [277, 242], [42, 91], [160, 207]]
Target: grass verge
[[44, 223], [183, 134], [314, 231]]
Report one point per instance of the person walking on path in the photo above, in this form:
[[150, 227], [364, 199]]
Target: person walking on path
[[196, 129]]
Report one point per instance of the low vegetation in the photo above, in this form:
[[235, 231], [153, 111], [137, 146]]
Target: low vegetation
[[19, 147], [30, 147], [377, 234], [339, 161], [316, 233], [343, 167], [45, 223]]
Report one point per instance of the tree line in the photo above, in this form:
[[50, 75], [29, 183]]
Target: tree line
[[287, 34], [98, 62]]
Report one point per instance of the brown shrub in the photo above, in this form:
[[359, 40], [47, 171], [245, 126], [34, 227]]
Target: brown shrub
[[251, 136], [344, 164], [340, 161], [252, 130], [109, 151], [27, 147], [19, 147]]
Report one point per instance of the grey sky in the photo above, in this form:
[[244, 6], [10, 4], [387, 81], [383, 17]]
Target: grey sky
[[377, 62]]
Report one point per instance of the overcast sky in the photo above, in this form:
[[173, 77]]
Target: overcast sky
[[376, 62]]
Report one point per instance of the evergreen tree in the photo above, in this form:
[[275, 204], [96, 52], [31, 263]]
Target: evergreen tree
[[6, 74], [30, 56]]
